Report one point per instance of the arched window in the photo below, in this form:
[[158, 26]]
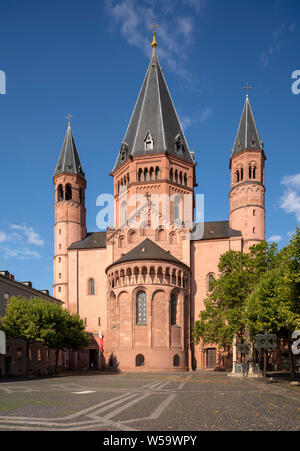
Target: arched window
[[140, 175], [91, 287], [176, 176], [60, 193], [141, 308], [151, 173], [185, 180], [157, 173], [176, 360], [68, 192], [171, 175], [252, 171], [140, 360], [211, 280], [242, 173], [237, 176], [80, 196], [180, 178], [173, 306], [145, 174]]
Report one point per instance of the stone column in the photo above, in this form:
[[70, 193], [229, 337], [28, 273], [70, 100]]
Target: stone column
[[234, 354]]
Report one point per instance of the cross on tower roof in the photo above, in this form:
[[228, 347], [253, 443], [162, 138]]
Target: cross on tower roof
[[247, 87], [69, 117]]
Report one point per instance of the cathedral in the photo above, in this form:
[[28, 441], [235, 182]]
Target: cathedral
[[139, 286]]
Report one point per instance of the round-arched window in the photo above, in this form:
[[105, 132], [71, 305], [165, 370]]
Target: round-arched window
[[140, 360], [176, 360], [141, 308]]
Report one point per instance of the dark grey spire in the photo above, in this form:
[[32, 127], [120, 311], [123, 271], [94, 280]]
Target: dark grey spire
[[69, 159], [154, 126], [247, 135]]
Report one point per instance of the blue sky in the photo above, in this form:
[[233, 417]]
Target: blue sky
[[89, 58]]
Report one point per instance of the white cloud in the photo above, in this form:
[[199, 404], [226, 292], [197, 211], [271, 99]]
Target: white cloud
[[133, 19], [30, 234], [198, 5], [21, 254], [3, 237], [266, 55], [290, 201], [275, 238], [205, 114]]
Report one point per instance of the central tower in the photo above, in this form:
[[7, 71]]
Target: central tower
[[154, 157], [148, 279]]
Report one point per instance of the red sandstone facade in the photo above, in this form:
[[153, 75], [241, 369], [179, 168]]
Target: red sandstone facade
[[144, 287]]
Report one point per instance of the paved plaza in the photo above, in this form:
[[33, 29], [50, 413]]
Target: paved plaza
[[196, 401]]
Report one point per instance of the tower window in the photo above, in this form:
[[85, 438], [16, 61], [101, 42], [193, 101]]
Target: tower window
[[185, 180], [60, 193], [253, 229], [176, 176], [171, 175], [242, 173], [151, 173], [140, 175], [68, 192], [157, 173], [237, 176]]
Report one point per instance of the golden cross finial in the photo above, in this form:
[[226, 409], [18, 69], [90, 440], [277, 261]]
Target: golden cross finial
[[154, 28], [247, 87], [69, 117]]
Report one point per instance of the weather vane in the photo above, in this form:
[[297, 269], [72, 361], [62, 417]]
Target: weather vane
[[247, 87], [69, 117], [154, 28]]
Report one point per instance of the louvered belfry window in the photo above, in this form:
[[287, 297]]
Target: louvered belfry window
[[141, 308]]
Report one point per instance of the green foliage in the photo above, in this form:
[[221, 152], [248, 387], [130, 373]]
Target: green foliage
[[224, 313], [38, 320], [274, 304]]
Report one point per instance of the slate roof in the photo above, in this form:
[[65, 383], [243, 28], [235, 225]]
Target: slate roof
[[155, 113], [213, 230], [247, 135], [69, 159], [147, 250], [94, 240]]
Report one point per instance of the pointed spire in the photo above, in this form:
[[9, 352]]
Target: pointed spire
[[154, 113], [69, 159], [247, 135]]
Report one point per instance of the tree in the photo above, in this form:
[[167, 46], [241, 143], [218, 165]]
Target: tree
[[224, 313], [274, 305], [36, 320]]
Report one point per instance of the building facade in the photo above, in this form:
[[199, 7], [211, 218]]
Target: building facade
[[142, 283], [13, 362]]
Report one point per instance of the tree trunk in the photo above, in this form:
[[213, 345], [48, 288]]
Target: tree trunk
[[291, 358]]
